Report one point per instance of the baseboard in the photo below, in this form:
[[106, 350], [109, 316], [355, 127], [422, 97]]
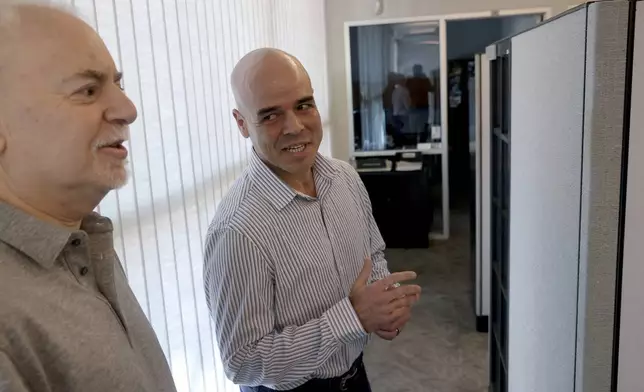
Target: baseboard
[[482, 324]]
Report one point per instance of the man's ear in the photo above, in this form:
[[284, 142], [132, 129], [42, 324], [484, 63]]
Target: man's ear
[[241, 123]]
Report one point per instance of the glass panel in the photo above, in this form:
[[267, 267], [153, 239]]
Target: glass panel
[[395, 79]]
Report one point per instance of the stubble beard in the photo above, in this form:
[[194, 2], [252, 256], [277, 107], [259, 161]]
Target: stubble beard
[[113, 177]]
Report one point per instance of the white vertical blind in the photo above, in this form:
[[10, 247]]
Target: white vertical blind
[[177, 56]]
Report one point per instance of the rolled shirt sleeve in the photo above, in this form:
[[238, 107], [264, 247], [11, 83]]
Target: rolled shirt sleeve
[[239, 287]]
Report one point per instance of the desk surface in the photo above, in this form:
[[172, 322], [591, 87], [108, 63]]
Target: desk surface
[[429, 149], [400, 167]]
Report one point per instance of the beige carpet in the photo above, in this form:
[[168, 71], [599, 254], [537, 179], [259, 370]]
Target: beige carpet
[[439, 350]]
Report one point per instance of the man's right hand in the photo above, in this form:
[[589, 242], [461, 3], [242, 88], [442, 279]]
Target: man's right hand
[[381, 305]]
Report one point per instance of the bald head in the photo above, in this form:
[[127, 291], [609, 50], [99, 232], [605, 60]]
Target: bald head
[[23, 22], [265, 68], [16, 14], [277, 111]]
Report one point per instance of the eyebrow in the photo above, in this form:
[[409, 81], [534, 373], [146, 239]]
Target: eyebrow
[[265, 111], [271, 109], [96, 75], [305, 100]]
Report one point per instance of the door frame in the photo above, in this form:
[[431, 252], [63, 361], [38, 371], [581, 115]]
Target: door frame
[[442, 21]]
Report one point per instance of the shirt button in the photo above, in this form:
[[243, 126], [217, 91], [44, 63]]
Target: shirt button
[[76, 242], [84, 271]]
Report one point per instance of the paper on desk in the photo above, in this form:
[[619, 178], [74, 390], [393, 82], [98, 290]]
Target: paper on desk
[[409, 166]]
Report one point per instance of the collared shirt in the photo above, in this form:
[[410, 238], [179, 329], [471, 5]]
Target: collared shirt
[[279, 267], [68, 319]]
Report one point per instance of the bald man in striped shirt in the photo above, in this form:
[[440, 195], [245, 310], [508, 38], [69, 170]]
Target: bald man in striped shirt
[[295, 274]]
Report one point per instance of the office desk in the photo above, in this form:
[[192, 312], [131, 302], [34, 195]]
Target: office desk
[[400, 166], [425, 149], [401, 203]]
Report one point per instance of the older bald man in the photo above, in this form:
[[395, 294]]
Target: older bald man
[[68, 320], [292, 298]]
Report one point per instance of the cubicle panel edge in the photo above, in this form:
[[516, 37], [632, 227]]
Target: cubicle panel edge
[[604, 114], [629, 313], [498, 168]]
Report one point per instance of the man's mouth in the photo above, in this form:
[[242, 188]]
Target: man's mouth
[[296, 147], [116, 149], [117, 144]]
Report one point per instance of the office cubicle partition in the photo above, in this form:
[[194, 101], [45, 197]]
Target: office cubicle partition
[[554, 296]]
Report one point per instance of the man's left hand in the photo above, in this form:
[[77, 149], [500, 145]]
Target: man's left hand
[[387, 335], [391, 335]]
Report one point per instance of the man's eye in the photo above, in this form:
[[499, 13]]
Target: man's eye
[[270, 117], [89, 91], [306, 106]]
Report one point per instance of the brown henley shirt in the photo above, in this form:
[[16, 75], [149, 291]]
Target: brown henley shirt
[[68, 319]]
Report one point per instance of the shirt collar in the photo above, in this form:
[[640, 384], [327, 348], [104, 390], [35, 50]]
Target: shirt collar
[[42, 241], [277, 191]]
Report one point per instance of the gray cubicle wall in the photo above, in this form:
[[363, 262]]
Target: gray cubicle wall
[[567, 115], [631, 343], [605, 94]]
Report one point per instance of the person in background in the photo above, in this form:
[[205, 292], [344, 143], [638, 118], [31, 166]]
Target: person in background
[[401, 104], [68, 319], [419, 86], [388, 107], [291, 295]]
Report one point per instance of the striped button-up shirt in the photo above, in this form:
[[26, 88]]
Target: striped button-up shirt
[[279, 267]]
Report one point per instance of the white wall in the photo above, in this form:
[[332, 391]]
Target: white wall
[[340, 11]]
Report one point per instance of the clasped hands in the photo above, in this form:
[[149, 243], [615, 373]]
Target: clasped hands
[[384, 306]]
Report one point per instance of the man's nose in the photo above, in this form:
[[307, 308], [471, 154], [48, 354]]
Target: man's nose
[[292, 124], [121, 110]]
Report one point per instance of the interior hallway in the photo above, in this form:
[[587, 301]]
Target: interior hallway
[[439, 350]]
